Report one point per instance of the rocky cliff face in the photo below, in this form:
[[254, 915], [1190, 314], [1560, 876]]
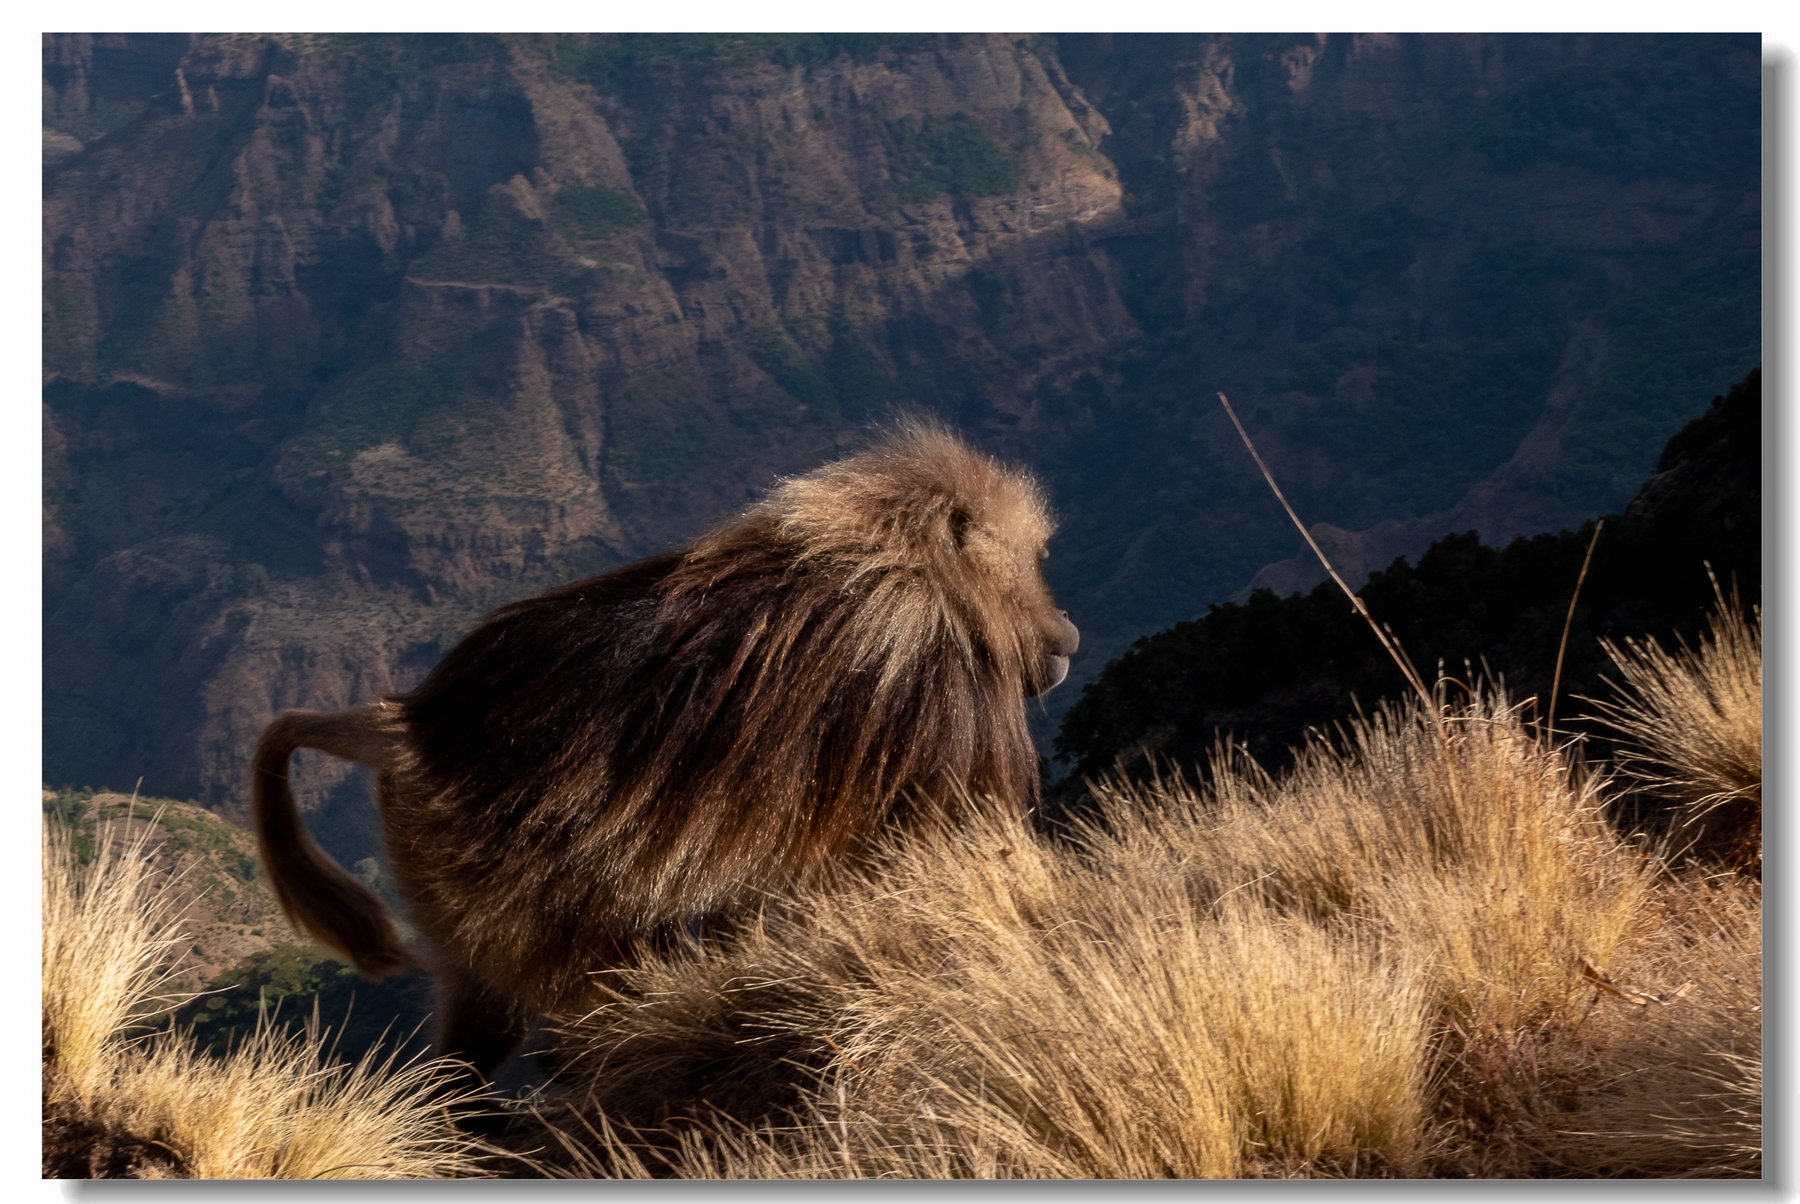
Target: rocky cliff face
[[349, 338], [1451, 282]]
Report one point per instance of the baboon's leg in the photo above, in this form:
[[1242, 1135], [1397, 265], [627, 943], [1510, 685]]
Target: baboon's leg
[[478, 1026]]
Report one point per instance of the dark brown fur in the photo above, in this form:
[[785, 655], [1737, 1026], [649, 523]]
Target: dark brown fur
[[612, 757]]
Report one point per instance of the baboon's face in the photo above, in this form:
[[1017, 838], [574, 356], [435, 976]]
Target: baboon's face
[[1007, 545]]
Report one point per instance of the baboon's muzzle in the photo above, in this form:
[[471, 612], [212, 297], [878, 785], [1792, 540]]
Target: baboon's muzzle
[[1057, 651]]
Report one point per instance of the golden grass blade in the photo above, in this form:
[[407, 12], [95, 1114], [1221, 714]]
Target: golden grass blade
[[1391, 644], [1562, 645]]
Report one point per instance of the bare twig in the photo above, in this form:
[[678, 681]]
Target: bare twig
[[1556, 680]]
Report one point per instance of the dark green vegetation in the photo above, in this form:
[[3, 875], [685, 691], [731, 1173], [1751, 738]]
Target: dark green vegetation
[[294, 985], [609, 61], [496, 247], [929, 158], [502, 247], [849, 383], [398, 401], [186, 828], [1266, 673], [599, 212], [71, 809], [1679, 340], [1401, 347], [1649, 115]]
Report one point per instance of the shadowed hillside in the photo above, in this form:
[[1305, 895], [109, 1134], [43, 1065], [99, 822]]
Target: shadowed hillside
[[1265, 672]]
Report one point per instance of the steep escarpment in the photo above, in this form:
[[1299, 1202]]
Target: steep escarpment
[[349, 338]]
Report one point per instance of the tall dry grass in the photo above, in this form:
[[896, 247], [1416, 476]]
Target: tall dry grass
[[275, 1107], [109, 942], [1692, 723], [1425, 951], [1477, 853], [999, 1009]]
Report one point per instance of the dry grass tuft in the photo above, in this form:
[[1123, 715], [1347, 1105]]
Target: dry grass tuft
[[1476, 853], [1692, 720], [276, 1107], [1672, 1083], [108, 946], [1424, 952], [1035, 1023]]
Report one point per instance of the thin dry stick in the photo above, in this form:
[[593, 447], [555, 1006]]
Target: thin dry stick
[[1556, 679], [1387, 638]]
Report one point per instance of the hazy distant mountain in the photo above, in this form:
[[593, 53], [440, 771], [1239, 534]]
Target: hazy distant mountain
[[348, 338]]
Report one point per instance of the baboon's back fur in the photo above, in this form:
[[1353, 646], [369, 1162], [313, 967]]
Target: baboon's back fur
[[674, 737]]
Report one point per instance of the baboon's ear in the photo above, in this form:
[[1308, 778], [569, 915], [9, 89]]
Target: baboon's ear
[[959, 526]]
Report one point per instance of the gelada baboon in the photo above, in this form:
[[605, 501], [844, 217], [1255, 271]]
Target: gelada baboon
[[613, 757]]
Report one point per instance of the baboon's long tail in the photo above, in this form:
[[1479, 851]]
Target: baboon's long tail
[[316, 893]]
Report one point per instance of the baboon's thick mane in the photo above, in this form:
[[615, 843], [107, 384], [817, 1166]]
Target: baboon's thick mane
[[938, 544], [853, 651]]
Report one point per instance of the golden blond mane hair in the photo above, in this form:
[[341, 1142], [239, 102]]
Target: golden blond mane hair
[[851, 654]]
